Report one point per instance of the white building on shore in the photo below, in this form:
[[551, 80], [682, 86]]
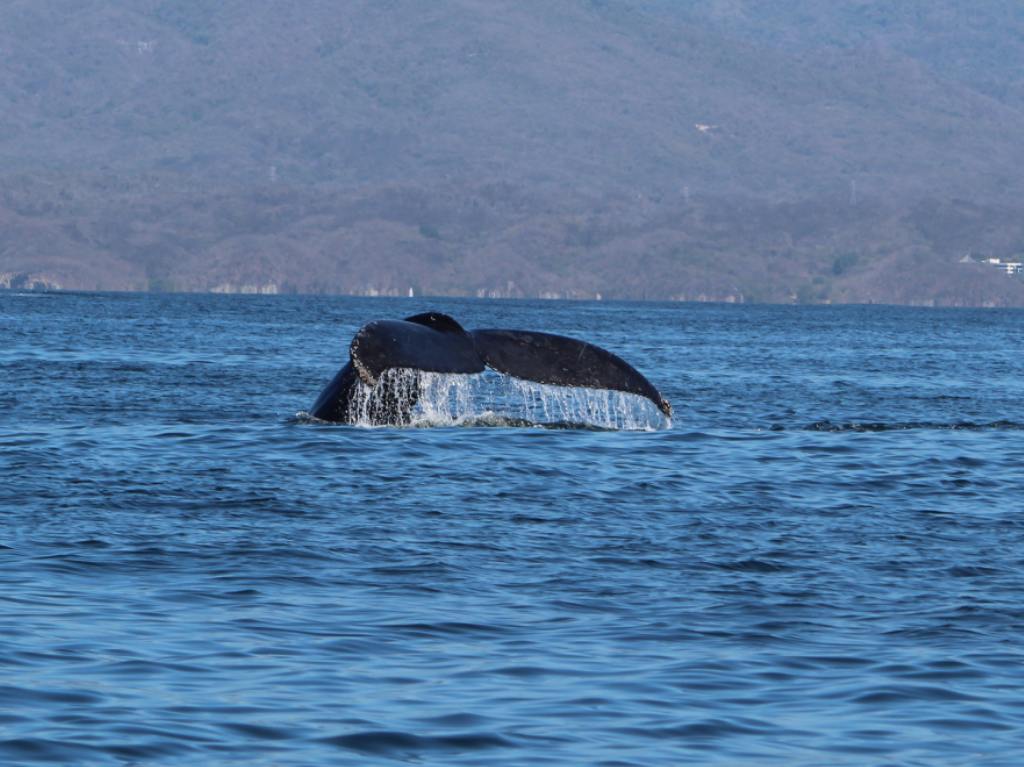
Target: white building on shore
[[1012, 268]]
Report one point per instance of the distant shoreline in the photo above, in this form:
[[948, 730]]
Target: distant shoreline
[[509, 299]]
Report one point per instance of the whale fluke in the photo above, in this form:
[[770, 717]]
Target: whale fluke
[[435, 343]]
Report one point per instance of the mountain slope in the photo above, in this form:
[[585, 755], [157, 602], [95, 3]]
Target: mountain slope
[[504, 147]]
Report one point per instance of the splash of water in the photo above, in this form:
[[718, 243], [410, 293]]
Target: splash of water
[[488, 399]]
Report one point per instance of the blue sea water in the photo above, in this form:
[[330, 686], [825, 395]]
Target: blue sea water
[[820, 562]]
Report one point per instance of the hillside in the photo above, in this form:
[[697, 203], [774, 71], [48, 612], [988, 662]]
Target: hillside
[[724, 150]]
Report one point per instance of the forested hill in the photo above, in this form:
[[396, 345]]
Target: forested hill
[[818, 150]]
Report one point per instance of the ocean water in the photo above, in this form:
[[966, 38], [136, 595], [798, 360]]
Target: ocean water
[[821, 561]]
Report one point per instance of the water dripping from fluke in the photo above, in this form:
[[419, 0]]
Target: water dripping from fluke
[[491, 399]]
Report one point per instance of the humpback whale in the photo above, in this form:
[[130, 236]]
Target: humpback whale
[[435, 343]]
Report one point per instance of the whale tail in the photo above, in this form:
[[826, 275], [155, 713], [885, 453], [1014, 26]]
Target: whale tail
[[436, 343]]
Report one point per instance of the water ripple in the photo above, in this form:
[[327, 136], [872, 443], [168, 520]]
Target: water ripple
[[819, 562]]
